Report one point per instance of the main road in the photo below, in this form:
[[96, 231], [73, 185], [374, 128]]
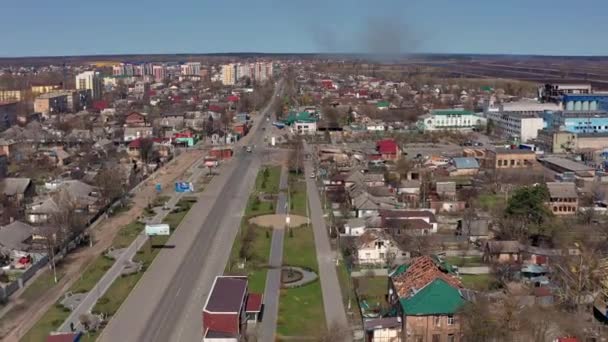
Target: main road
[[167, 302]]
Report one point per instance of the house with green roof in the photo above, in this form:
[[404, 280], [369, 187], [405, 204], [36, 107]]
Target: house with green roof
[[382, 105], [304, 116], [428, 295], [451, 119]]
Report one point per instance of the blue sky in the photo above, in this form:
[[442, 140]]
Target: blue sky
[[69, 27]]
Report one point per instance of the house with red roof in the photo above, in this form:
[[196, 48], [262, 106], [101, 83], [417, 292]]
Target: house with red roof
[[388, 149], [135, 119]]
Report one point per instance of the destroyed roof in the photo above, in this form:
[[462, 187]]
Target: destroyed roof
[[14, 235], [437, 297], [422, 271], [370, 236], [399, 213]]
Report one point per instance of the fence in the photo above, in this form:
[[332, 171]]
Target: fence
[[8, 290]]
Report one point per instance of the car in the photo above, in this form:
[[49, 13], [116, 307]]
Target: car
[[249, 149], [313, 176]]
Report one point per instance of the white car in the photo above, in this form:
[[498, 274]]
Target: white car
[[312, 175]]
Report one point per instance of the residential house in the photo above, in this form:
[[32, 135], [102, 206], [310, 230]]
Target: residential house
[[19, 190], [388, 149], [418, 221], [16, 237], [446, 189], [503, 158], [173, 121], [138, 132], [428, 296], [365, 204], [354, 226], [305, 127], [463, 166], [563, 199], [376, 247], [360, 178], [228, 308], [502, 251], [83, 197], [135, 119]]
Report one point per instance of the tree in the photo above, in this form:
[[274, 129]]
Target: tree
[[528, 204], [478, 322], [296, 157], [403, 167], [111, 182], [146, 149]]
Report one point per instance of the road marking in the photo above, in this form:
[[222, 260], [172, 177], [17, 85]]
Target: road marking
[[178, 292]]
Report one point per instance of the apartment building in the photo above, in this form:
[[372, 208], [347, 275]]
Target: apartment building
[[92, 81], [563, 199], [503, 158], [450, 119], [51, 103], [11, 95]]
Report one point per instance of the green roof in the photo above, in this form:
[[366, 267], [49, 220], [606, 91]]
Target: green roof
[[399, 270], [452, 112], [436, 298], [380, 104], [302, 116]]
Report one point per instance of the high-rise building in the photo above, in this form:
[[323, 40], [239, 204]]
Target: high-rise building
[[159, 72], [191, 69], [229, 74], [92, 81]]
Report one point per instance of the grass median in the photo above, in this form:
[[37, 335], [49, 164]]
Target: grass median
[[301, 309], [251, 248]]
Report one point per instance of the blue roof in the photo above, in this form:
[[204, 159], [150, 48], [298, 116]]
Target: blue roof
[[585, 97], [466, 163]]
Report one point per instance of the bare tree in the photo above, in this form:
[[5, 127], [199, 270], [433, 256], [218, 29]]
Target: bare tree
[[335, 333], [111, 183], [146, 149]]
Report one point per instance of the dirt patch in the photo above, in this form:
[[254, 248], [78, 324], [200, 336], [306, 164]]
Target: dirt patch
[[278, 221]]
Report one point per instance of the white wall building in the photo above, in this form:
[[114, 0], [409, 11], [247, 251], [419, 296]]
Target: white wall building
[[304, 127], [229, 74], [450, 119], [90, 80]]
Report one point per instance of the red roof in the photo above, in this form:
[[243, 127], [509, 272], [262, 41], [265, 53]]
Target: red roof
[[254, 302], [567, 339], [542, 291], [215, 108], [232, 98], [136, 144], [64, 337], [100, 105], [387, 146]]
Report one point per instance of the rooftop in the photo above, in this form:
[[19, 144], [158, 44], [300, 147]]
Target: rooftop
[[452, 112], [562, 189], [501, 150], [227, 294], [567, 164]]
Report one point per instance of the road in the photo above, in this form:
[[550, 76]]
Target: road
[[268, 326], [167, 302], [335, 313], [87, 304]]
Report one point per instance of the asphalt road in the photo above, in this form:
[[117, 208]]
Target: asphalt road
[[335, 314], [268, 326], [167, 302]]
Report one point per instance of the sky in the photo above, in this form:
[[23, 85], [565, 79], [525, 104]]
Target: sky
[[70, 27]]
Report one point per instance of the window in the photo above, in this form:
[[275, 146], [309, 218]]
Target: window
[[451, 338], [450, 320], [436, 337], [381, 255], [368, 255], [437, 321]]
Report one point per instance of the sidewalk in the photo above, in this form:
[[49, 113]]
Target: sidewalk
[[115, 271], [268, 326], [335, 313]]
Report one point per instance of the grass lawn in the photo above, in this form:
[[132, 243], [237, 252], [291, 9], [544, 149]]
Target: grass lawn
[[159, 201], [348, 293], [297, 192], [465, 261], [480, 282], [268, 182], [301, 311], [42, 283], [372, 289], [48, 323], [490, 201], [116, 294], [299, 248], [92, 274], [127, 234]]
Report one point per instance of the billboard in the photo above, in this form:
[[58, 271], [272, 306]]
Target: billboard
[[157, 229], [184, 187]]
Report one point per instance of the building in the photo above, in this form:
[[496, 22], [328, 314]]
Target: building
[[553, 92], [585, 102], [228, 309], [305, 127], [555, 141], [503, 158], [229, 74], [463, 166], [7, 95], [159, 72], [563, 198], [42, 88], [388, 149], [428, 296], [517, 126], [92, 81], [8, 114], [450, 119], [376, 247], [51, 103], [191, 69], [561, 165]]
